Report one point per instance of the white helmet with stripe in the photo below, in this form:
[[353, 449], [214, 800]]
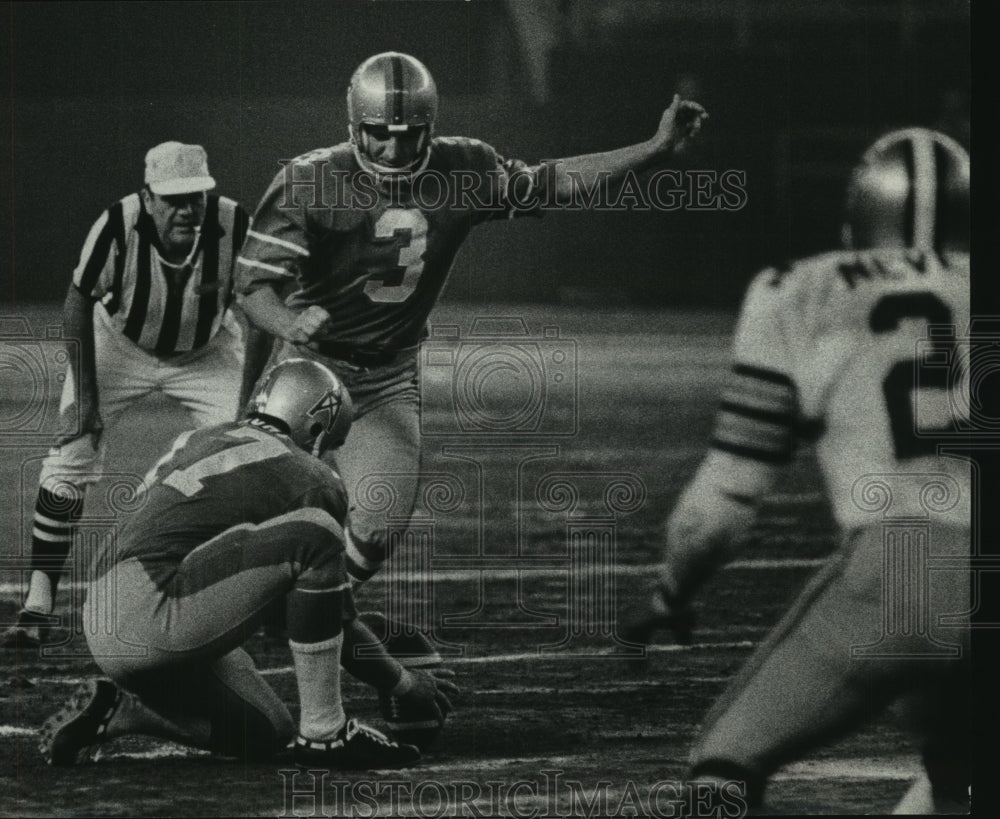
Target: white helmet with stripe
[[910, 190], [394, 92]]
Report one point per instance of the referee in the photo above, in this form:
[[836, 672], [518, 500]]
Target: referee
[[150, 305]]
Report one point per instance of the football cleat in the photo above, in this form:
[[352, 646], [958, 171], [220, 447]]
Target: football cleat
[[664, 613], [29, 632], [76, 731], [356, 747]]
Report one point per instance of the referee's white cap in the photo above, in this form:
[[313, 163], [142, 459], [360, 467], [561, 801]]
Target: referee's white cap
[[175, 168]]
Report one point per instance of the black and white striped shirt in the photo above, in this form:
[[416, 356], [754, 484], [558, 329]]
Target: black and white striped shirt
[[164, 309]]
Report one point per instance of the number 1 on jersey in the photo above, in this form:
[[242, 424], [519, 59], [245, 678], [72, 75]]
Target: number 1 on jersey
[[409, 226], [249, 446]]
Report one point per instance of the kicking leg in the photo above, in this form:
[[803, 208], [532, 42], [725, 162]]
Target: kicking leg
[[380, 465]]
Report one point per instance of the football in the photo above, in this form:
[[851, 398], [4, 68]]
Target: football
[[409, 724], [407, 645], [409, 719]]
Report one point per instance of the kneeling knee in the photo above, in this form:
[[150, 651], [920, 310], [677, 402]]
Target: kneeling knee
[[257, 737]]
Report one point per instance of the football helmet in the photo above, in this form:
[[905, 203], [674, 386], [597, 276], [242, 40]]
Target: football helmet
[[393, 93], [307, 401], [910, 190]]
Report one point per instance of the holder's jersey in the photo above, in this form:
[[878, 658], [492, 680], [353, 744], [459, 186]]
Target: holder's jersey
[[214, 479], [376, 257], [865, 353]]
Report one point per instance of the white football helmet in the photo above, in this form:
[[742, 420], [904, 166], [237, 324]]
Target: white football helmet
[[910, 190], [307, 401]]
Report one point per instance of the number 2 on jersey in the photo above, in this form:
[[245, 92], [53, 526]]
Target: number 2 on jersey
[[397, 283], [908, 378]]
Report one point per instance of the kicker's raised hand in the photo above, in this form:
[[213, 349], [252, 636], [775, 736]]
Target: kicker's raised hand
[[679, 125]]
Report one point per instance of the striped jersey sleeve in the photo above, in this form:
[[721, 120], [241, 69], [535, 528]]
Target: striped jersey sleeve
[[100, 267], [759, 413], [277, 244], [510, 188]]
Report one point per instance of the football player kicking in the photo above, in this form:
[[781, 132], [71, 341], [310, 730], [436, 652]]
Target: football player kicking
[[364, 234], [832, 348], [237, 517]]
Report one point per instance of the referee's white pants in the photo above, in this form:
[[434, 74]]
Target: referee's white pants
[[206, 382]]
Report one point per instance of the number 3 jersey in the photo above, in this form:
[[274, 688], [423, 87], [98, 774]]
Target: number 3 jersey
[[863, 352], [375, 257], [214, 479]]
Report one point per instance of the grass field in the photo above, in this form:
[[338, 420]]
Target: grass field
[[566, 730]]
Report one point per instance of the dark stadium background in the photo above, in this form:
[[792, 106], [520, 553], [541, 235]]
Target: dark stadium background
[[795, 90]]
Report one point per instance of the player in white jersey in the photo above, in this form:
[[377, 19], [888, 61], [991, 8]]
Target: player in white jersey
[[859, 351], [150, 305]]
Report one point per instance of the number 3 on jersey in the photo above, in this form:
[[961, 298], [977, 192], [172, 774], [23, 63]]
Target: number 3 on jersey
[[408, 226]]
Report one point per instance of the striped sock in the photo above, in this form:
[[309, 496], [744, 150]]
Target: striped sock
[[51, 539]]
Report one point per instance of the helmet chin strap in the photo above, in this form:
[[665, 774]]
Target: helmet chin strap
[[387, 172], [317, 447]]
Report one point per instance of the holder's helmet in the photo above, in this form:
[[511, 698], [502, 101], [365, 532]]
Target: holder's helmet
[[911, 189], [392, 94], [307, 401]]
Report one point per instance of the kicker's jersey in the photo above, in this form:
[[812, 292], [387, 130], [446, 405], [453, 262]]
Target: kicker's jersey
[[162, 311], [214, 479], [864, 353], [376, 257]]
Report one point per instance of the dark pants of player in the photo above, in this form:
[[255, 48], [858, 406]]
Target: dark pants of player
[[380, 461], [851, 644], [186, 622]]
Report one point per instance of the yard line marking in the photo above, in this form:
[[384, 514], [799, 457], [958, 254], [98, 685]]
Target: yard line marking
[[159, 752], [897, 767], [16, 731], [454, 575], [891, 767], [594, 688], [597, 653]]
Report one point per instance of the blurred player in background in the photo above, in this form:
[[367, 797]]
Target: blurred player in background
[[150, 307], [237, 517], [363, 268], [829, 350]]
